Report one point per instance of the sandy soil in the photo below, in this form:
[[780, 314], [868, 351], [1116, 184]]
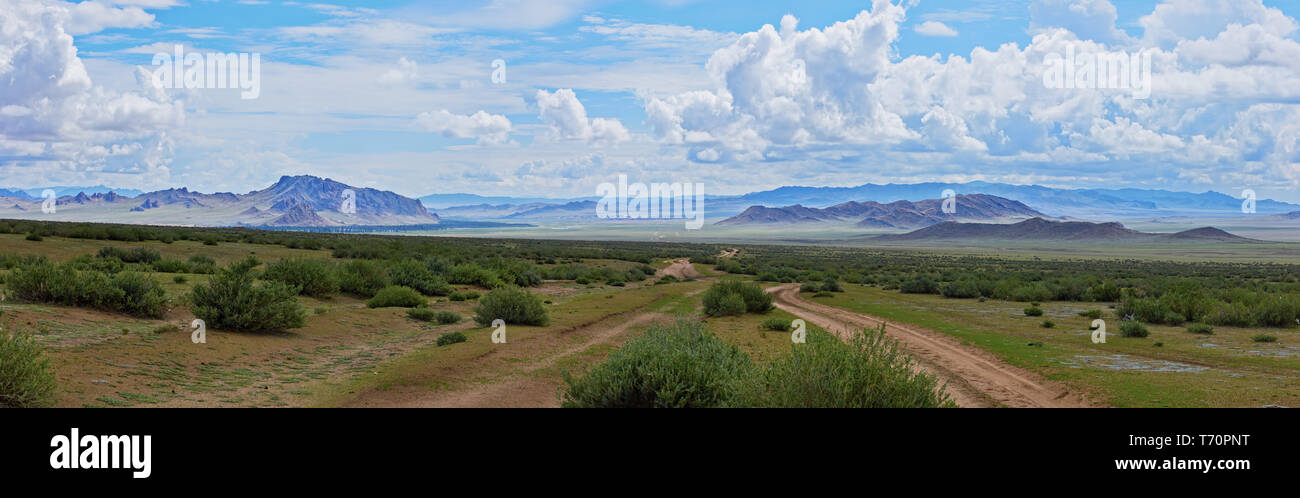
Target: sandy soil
[[680, 268], [974, 378]]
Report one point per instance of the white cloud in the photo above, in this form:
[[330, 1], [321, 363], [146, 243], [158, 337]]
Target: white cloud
[[934, 28], [94, 16], [568, 119], [56, 118], [486, 128]]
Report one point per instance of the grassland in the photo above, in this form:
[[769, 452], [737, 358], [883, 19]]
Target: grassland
[[351, 355], [1170, 368]]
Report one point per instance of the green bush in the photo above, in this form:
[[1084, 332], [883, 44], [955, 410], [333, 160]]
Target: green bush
[[397, 296], [452, 338], [832, 285], [232, 300], [26, 379], [1047, 324], [472, 274], [867, 371], [1093, 314], [126, 292], [774, 323], [681, 365], [512, 304], [362, 278], [413, 274], [312, 277], [919, 285], [809, 287], [824, 294], [445, 317], [1264, 338], [133, 255], [463, 296], [35, 237], [721, 299], [180, 279], [421, 314], [1200, 328], [1033, 311], [1133, 328]]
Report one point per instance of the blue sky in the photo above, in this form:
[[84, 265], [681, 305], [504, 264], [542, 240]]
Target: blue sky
[[399, 95]]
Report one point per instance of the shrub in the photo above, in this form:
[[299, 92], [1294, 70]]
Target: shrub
[[832, 285], [421, 314], [472, 274], [133, 255], [809, 287], [667, 279], [1033, 311], [1133, 328], [312, 277], [719, 300], [180, 279], [463, 296], [681, 365], [397, 296], [868, 371], [410, 273], [233, 301], [919, 285], [1264, 338], [445, 317], [35, 237], [452, 338], [1093, 314], [774, 323], [26, 379], [824, 294], [362, 278], [512, 304], [1047, 324], [1200, 328], [126, 292]]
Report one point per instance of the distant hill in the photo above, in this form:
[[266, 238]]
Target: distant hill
[[443, 201], [898, 214], [293, 201], [1081, 203], [1038, 229]]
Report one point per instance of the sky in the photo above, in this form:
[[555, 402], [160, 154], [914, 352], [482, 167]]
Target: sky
[[738, 95]]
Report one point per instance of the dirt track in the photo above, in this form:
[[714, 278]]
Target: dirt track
[[974, 378]]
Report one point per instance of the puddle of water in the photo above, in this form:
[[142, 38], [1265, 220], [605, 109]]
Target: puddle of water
[[1126, 362]]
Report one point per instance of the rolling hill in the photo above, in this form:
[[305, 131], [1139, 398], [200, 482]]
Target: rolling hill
[[898, 214], [1041, 230]]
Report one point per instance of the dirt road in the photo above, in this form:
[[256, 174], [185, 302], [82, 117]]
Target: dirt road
[[974, 378]]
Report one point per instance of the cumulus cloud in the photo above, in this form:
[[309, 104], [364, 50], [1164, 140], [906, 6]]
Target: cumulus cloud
[[55, 117], [568, 119], [934, 28], [486, 128], [1224, 81]]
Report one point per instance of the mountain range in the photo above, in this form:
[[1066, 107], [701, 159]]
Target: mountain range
[[1041, 230], [1098, 203], [293, 201], [897, 214]]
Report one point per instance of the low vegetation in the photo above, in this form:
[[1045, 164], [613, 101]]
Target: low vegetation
[[512, 304], [233, 300], [684, 365], [26, 379], [734, 297]]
